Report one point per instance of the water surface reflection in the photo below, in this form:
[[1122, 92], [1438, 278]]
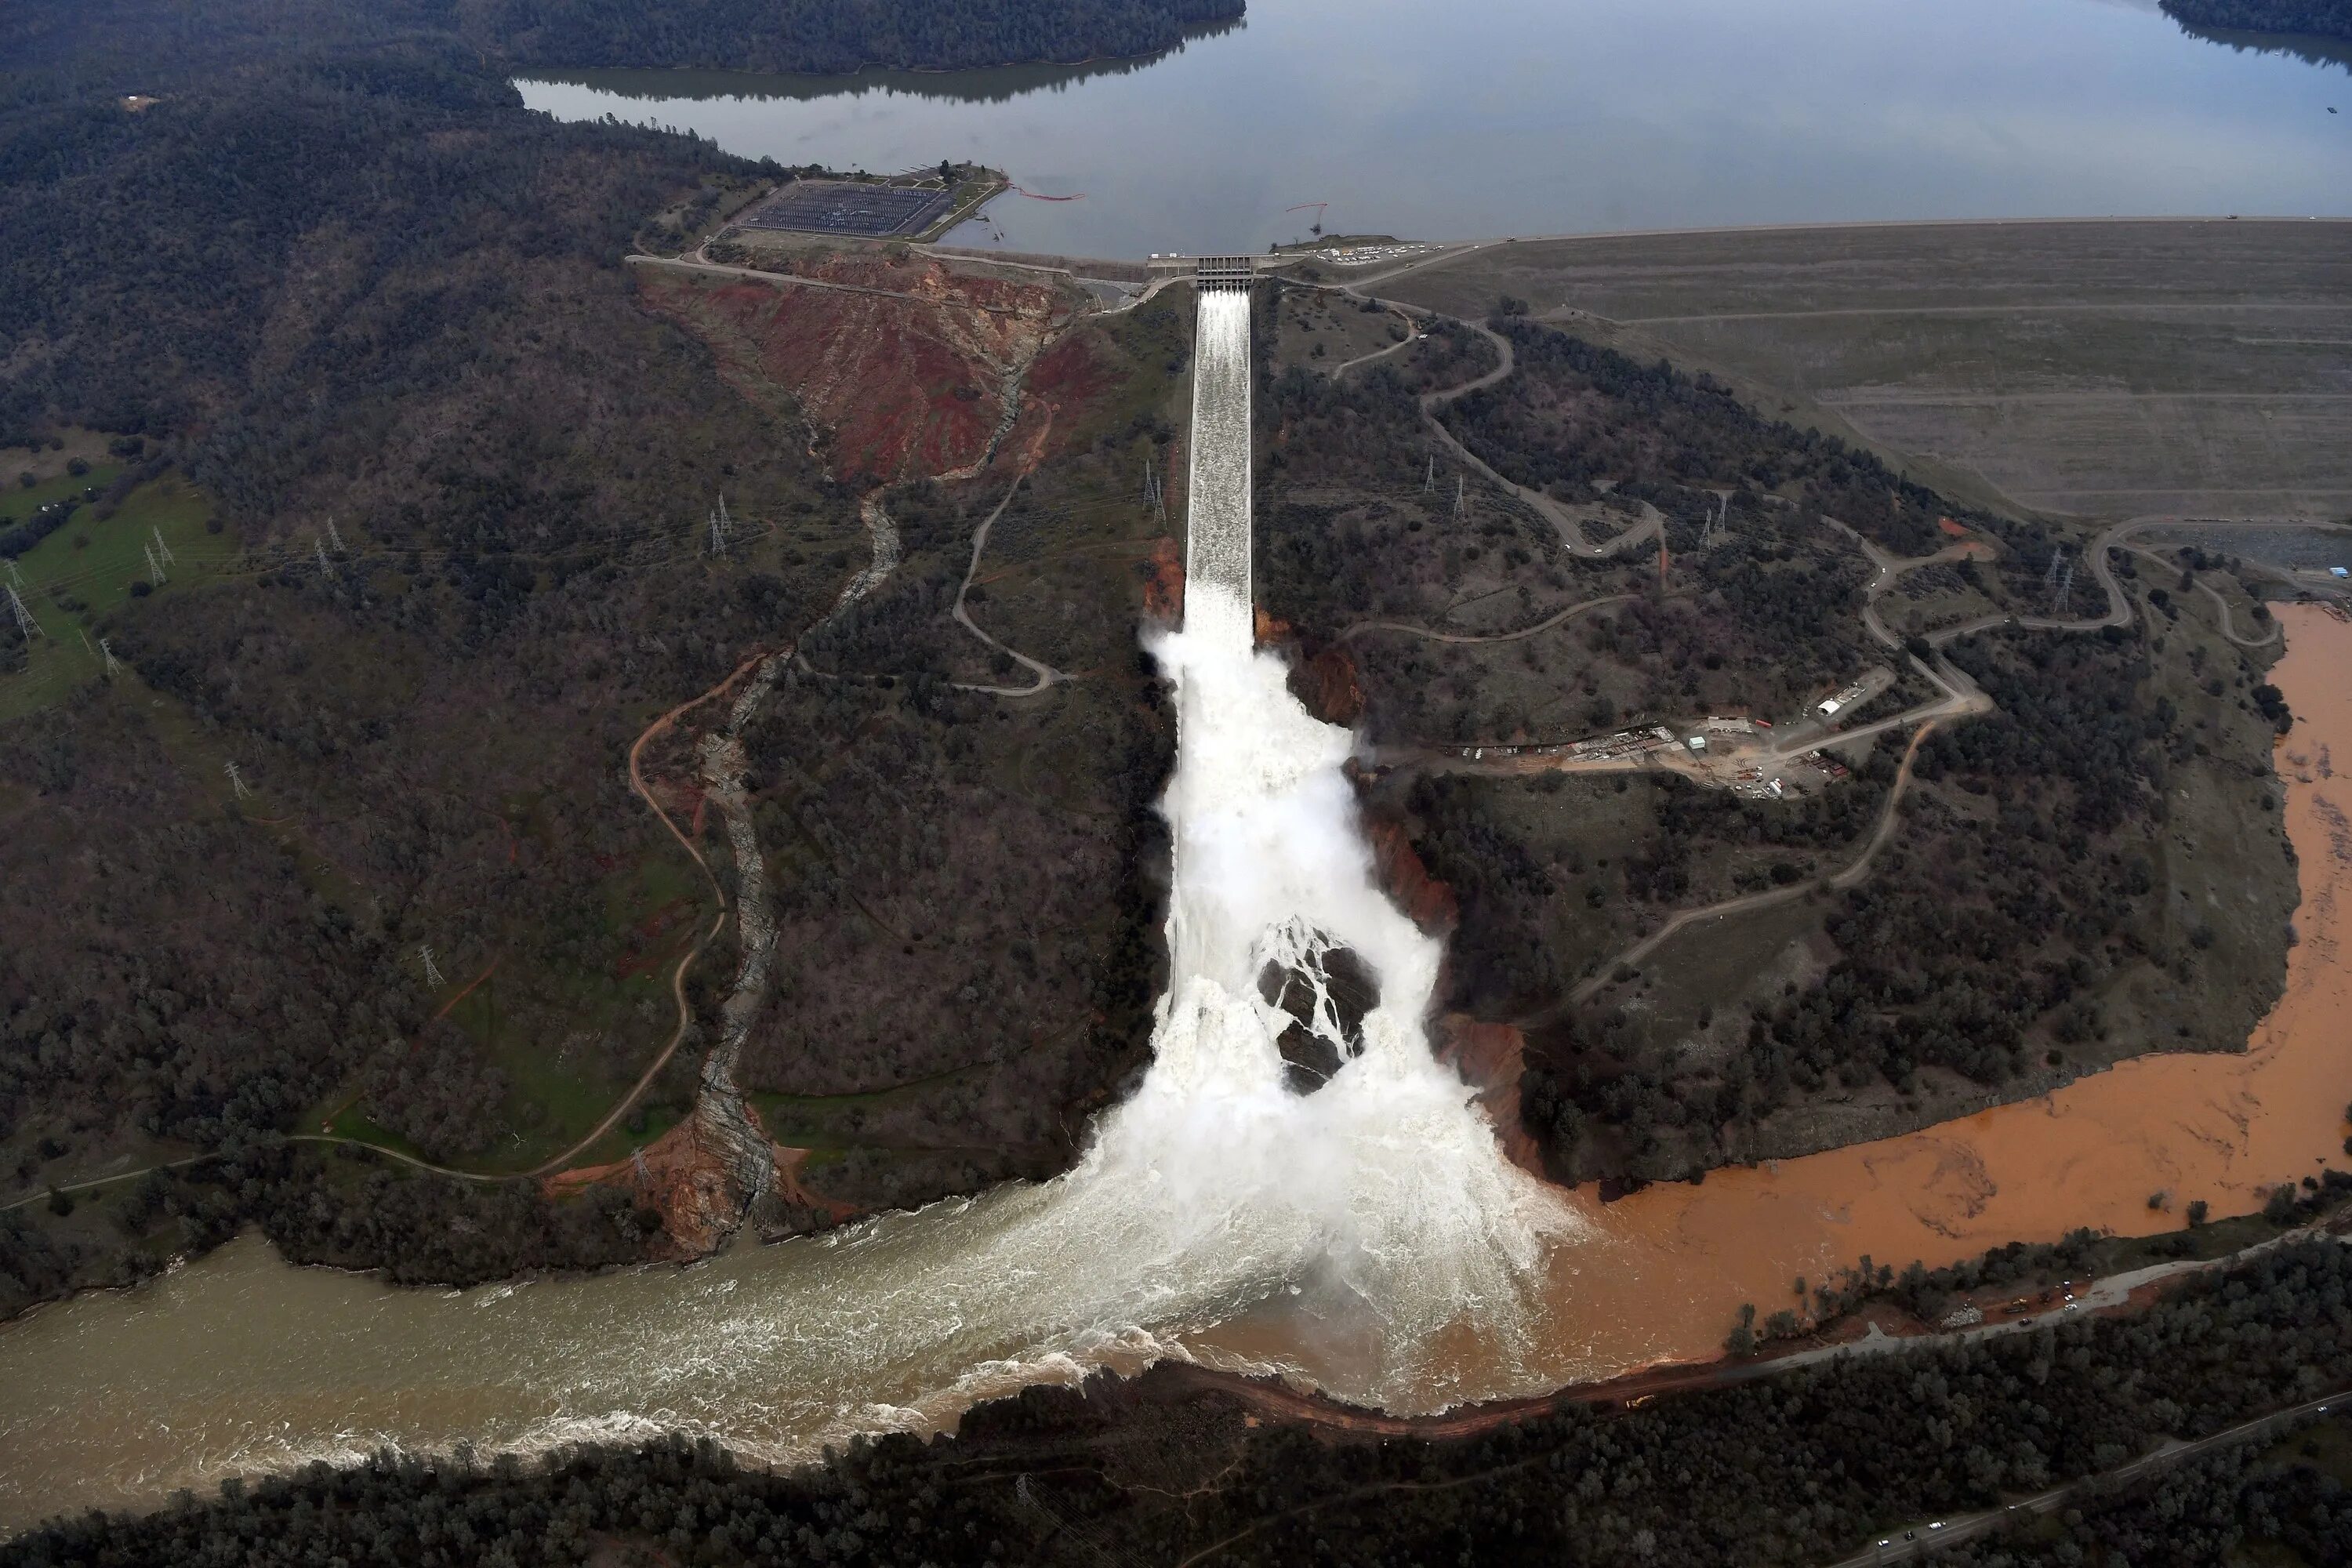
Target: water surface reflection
[[1530, 117]]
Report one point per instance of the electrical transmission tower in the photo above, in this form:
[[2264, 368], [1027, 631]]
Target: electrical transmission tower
[[2065, 585], [326, 567], [25, 621], [154, 567], [1159, 493], [235, 780], [163, 551], [335, 537], [1429, 479], [1461, 497], [106, 652], [432, 970]]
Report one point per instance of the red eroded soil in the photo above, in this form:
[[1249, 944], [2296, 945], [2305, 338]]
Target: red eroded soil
[[911, 381], [1406, 880], [1163, 589], [1487, 1059], [1071, 374], [1331, 686], [681, 1177]]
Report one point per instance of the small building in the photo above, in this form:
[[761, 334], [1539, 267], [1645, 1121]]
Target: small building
[[1830, 705], [1698, 743]]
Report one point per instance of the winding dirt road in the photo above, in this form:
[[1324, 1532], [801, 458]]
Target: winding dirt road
[[1571, 533], [1545, 625], [1045, 675]]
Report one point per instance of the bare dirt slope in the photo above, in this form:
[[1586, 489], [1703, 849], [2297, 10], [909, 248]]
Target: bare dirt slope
[[907, 368], [2100, 368]]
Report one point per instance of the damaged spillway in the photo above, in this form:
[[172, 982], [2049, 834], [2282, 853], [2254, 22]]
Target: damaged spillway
[[1297, 1184], [1382, 1196]]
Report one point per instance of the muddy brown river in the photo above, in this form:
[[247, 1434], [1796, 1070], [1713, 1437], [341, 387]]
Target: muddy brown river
[[240, 1363]]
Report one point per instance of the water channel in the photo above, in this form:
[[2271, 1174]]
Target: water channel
[[1531, 117]]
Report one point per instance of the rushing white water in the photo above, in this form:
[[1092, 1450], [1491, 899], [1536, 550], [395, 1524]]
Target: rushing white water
[[1377, 1212]]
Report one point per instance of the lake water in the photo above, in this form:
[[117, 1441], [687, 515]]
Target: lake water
[[1514, 117]]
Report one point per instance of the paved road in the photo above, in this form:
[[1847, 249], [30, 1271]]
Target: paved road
[[1909, 1543], [794, 280]]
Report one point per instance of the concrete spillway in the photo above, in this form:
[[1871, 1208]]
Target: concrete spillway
[[1217, 526]]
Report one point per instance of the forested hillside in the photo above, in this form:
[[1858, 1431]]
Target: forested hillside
[[345, 845], [2316, 18], [830, 35], [140, 37]]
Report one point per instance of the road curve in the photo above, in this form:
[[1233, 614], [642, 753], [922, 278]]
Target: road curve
[[1412, 336], [1572, 534], [2220, 606], [1465, 637], [1045, 675], [1747, 902]]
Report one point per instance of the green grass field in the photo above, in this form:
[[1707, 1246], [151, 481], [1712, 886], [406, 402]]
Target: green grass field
[[74, 580]]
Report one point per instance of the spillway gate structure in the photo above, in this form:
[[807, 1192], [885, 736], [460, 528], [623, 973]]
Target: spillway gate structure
[[1224, 272]]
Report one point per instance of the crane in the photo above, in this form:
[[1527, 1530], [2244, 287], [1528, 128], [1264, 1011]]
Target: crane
[[1316, 227]]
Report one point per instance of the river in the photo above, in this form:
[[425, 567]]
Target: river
[[1529, 116]]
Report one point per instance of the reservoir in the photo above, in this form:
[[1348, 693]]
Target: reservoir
[[1503, 116]]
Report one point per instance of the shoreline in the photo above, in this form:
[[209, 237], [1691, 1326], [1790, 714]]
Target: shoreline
[[1449, 250]]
